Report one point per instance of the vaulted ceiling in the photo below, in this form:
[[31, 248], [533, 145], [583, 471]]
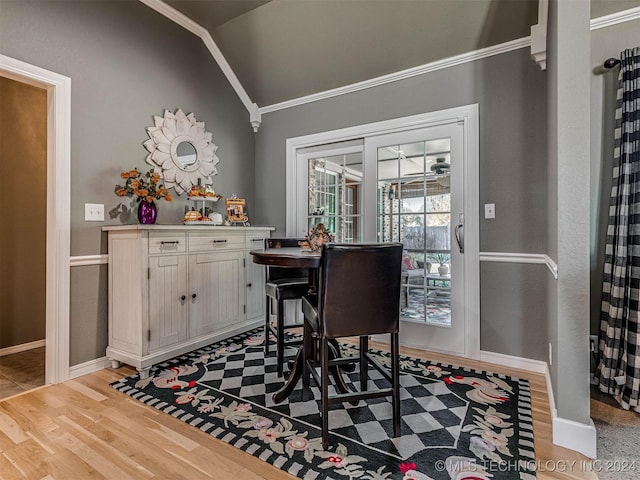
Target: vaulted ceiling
[[285, 49]]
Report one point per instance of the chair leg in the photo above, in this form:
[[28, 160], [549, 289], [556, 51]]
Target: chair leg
[[364, 364], [324, 388], [395, 375], [280, 340], [307, 355], [267, 319]]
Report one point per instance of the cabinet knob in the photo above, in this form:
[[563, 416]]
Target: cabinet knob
[[248, 285], [183, 298], [193, 295]]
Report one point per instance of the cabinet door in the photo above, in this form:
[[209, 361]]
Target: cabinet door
[[255, 288], [216, 291], [167, 310]]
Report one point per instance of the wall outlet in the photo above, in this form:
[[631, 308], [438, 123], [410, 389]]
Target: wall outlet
[[593, 343], [94, 212], [489, 210], [550, 354]]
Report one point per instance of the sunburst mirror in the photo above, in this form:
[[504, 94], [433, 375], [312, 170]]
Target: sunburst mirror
[[181, 150]]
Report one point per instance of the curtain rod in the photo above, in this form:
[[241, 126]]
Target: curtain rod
[[611, 62]]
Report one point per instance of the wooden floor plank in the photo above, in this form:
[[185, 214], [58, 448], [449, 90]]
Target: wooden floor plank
[[11, 429], [30, 458]]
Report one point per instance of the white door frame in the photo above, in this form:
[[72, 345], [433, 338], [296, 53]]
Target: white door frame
[[468, 117], [58, 208]]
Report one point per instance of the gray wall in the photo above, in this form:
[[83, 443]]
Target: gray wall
[[511, 92], [88, 340], [513, 307], [605, 43], [126, 63]]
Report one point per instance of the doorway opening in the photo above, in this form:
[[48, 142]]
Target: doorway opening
[[58, 170], [23, 150]]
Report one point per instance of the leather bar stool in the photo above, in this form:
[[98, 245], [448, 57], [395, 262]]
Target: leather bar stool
[[358, 295], [282, 284]]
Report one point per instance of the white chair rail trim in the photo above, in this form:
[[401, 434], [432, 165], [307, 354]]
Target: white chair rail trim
[[521, 258], [84, 260], [615, 18]]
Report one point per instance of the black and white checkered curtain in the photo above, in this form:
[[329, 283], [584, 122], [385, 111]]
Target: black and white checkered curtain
[[618, 372]]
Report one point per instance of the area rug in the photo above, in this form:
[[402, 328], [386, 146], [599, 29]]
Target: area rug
[[456, 422]]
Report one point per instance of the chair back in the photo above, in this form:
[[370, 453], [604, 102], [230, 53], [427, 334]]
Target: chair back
[[277, 273], [359, 289]]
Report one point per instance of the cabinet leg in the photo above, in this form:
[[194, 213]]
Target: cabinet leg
[[114, 363], [144, 372]]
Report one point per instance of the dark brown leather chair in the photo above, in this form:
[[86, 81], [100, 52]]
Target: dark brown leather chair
[[282, 284], [358, 295]]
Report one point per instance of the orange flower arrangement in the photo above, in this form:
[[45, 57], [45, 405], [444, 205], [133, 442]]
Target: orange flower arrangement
[[143, 186]]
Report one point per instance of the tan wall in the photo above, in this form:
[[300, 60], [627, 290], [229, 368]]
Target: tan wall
[[23, 177]]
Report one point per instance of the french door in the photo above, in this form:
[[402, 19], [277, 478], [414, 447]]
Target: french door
[[416, 181], [416, 185]]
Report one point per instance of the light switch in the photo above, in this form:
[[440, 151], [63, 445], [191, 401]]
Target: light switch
[[489, 210], [94, 212]]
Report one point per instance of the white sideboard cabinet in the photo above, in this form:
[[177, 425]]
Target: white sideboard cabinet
[[173, 289]]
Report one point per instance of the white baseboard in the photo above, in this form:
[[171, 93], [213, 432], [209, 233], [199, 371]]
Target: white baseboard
[[575, 436], [88, 367], [23, 347], [536, 366], [552, 398]]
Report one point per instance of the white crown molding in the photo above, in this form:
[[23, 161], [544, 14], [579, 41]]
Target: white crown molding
[[403, 74], [615, 18], [537, 43], [539, 35], [521, 258], [83, 260], [197, 29]]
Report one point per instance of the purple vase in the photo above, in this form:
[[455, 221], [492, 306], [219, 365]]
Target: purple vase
[[147, 212]]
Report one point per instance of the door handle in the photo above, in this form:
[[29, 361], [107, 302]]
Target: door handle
[[460, 236]]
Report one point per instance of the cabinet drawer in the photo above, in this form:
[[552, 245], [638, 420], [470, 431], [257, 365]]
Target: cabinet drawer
[[255, 241], [207, 242], [167, 242]]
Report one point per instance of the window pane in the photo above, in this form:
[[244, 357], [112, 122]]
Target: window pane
[[335, 191]]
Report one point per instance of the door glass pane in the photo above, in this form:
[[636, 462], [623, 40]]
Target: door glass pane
[[414, 207], [335, 195]]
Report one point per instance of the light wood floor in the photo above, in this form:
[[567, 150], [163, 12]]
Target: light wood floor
[[83, 429]]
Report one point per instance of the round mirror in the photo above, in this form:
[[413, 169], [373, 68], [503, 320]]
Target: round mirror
[[181, 150], [186, 153]]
